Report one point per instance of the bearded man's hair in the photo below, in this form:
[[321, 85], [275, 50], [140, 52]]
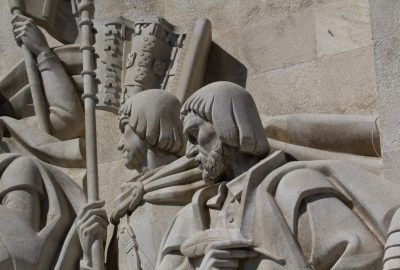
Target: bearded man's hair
[[233, 113]]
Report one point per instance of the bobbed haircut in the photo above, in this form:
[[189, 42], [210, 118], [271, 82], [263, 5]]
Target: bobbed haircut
[[154, 117], [233, 113]]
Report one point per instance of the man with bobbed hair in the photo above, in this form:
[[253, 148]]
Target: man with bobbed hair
[[156, 128], [236, 120], [262, 210], [153, 143], [236, 128]]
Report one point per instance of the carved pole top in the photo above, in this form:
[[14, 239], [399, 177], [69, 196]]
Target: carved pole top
[[16, 4], [86, 5]]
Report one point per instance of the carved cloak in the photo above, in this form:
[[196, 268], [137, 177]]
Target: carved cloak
[[56, 245], [272, 204], [25, 139], [166, 190]]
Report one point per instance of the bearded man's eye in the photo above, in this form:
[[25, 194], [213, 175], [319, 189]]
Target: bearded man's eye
[[192, 139]]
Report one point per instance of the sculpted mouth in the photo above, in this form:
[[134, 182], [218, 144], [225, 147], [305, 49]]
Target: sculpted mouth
[[198, 163]]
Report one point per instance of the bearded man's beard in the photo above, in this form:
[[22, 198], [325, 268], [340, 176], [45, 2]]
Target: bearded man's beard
[[213, 165]]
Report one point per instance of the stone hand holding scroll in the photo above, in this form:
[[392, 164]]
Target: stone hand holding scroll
[[222, 249]]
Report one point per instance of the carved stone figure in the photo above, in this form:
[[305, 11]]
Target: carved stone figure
[[162, 56], [151, 137], [153, 143], [308, 197], [132, 54], [39, 203], [38, 207], [260, 211], [62, 146]]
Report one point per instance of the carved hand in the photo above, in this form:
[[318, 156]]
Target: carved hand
[[221, 248], [222, 256], [127, 201], [29, 34], [91, 224]]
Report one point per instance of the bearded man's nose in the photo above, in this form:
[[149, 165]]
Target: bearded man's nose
[[191, 150]]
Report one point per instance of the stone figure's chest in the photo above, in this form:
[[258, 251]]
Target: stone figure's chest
[[140, 235], [227, 215]]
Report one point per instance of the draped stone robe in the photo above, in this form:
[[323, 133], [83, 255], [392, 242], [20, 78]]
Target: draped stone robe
[[25, 139], [56, 245], [303, 215], [160, 193]]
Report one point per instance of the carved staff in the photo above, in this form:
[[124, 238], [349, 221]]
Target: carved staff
[[16, 8], [86, 11]]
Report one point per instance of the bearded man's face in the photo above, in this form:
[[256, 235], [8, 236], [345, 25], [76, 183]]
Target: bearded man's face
[[212, 164], [205, 146]]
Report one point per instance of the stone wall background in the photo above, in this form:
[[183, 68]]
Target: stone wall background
[[385, 17], [294, 56]]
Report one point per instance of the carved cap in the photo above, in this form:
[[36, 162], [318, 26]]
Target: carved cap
[[233, 113], [154, 117]]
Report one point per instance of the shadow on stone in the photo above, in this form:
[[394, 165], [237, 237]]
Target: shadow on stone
[[224, 67]]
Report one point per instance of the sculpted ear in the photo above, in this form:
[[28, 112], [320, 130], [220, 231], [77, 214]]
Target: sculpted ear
[[251, 134]]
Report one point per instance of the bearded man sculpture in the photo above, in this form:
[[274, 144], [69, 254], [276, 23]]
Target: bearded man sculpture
[[260, 211]]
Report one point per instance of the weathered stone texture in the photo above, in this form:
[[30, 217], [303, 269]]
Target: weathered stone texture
[[266, 36], [319, 86], [257, 10], [278, 42], [108, 137], [8, 50], [271, 37], [132, 8], [342, 26], [385, 31], [292, 55]]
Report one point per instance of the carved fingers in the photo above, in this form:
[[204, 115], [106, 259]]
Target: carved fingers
[[219, 253], [26, 32], [127, 201], [225, 259], [121, 205], [200, 243], [91, 224], [232, 244]]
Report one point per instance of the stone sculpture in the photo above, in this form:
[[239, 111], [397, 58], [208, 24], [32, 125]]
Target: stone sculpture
[[260, 211], [153, 143], [132, 54], [38, 207], [62, 146], [39, 203], [161, 52], [237, 200]]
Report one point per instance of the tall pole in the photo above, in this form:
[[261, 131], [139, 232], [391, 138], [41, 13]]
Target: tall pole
[[86, 11], [38, 98]]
